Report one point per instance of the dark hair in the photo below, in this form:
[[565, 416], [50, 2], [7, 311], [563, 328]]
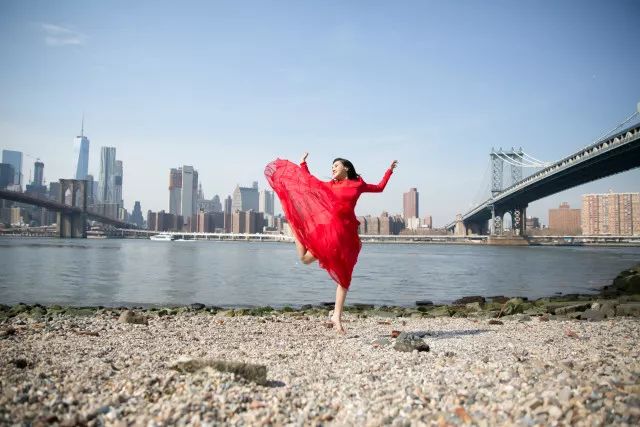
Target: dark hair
[[351, 170]]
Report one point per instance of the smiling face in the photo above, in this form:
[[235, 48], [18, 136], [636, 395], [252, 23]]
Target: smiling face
[[338, 171]]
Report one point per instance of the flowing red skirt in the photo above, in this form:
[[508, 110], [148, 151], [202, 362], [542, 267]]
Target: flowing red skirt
[[313, 213]]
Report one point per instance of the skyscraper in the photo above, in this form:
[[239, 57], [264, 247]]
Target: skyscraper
[[14, 158], [38, 175], [118, 183], [7, 174], [136, 215], [81, 154], [245, 198], [266, 202], [175, 191], [106, 185], [410, 204], [189, 191]]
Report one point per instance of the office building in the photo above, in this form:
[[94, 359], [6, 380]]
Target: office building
[[136, 215], [81, 155], [107, 182], [245, 198], [266, 202], [175, 191], [410, 204], [14, 158], [7, 174]]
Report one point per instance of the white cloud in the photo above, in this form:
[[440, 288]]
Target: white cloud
[[56, 35]]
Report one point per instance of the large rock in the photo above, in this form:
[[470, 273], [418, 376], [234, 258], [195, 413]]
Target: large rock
[[251, 372], [473, 307], [442, 311], [592, 315], [128, 316], [572, 308], [469, 300], [513, 306], [408, 342], [197, 306], [628, 309]]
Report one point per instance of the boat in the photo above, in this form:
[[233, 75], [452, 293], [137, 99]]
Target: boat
[[165, 237]]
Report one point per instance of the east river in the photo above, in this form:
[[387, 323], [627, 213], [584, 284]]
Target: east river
[[114, 272]]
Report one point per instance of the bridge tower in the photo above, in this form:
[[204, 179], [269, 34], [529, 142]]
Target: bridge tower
[[70, 223]]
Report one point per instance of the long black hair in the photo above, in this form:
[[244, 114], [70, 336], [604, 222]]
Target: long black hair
[[351, 170]]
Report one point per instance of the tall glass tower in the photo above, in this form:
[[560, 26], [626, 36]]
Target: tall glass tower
[[81, 154], [107, 182]]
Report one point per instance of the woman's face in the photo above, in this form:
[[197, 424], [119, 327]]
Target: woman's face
[[338, 171]]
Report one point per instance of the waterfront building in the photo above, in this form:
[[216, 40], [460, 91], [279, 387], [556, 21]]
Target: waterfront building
[[266, 202], [189, 191], [245, 198], [14, 158], [217, 206], [564, 220], [118, 183], [410, 203], [81, 155], [7, 174], [533, 223], [36, 188], [175, 190], [107, 182], [136, 214], [611, 213]]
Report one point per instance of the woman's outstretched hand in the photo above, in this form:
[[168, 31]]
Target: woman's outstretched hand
[[304, 157], [393, 165]]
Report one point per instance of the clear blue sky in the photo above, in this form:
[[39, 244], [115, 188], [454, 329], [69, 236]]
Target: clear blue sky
[[228, 86]]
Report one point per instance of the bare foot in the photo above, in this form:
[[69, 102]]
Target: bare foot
[[337, 324]]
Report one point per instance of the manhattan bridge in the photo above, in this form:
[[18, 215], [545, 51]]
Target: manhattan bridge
[[618, 150]]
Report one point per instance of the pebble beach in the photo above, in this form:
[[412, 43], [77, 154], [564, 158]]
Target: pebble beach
[[121, 367]]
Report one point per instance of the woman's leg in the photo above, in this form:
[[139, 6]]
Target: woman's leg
[[303, 253], [341, 295]]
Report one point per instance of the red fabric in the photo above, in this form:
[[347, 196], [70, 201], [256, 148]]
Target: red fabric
[[321, 214]]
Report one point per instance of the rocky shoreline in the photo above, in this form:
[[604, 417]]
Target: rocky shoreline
[[482, 361]]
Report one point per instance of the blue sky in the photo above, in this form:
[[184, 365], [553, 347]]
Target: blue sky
[[228, 86]]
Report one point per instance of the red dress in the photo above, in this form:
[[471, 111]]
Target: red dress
[[321, 214]]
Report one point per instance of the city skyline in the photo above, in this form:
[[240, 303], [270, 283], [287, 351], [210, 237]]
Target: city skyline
[[333, 79]]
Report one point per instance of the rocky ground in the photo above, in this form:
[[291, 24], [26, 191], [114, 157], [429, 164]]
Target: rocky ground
[[568, 360], [157, 367]]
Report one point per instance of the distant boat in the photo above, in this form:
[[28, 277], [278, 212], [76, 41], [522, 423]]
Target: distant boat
[[165, 237]]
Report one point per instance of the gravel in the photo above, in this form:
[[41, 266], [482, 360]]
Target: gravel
[[96, 370]]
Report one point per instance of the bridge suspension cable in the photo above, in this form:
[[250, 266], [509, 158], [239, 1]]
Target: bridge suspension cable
[[606, 134]]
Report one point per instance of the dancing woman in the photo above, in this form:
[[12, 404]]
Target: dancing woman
[[322, 217]]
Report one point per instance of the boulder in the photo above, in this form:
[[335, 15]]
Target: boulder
[[469, 299], [572, 308], [128, 316], [592, 315], [424, 303], [408, 342], [248, 371], [473, 306], [628, 309], [513, 306], [442, 311], [197, 306]]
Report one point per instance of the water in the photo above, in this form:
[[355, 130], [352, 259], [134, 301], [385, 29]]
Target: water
[[132, 272]]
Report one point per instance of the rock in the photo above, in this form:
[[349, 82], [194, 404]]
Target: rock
[[496, 322], [544, 318], [395, 334], [523, 318], [564, 395], [129, 316], [7, 332], [500, 299], [607, 308], [37, 312], [592, 315], [473, 306], [628, 309], [513, 306], [442, 311], [17, 309], [361, 306], [20, 363], [423, 303], [469, 299], [163, 312], [197, 306], [251, 372], [408, 342], [554, 412], [572, 308]]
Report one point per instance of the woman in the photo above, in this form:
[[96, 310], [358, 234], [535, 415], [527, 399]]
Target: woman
[[322, 217]]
